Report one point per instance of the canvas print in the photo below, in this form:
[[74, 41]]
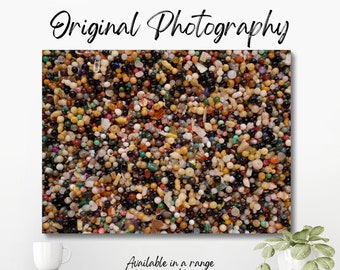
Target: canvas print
[[166, 141]]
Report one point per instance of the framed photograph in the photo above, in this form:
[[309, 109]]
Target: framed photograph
[[166, 141]]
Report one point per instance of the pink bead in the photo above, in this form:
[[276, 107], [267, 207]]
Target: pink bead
[[101, 230], [187, 57]]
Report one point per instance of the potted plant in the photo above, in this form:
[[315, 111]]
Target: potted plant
[[304, 249]]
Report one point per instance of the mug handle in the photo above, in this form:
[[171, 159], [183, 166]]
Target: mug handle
[[68, 257]]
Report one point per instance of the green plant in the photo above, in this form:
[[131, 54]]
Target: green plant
[[302, 243]]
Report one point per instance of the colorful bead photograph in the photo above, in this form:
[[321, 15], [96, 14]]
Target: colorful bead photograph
[[166, 141]]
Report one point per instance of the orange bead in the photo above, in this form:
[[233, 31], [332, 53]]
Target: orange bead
[[143, 147], [239, 59], [194, 59], [274, 160]]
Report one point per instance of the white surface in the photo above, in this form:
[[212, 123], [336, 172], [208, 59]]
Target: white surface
[[312, 37]]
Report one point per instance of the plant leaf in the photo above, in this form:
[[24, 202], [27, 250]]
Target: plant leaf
[[317, 238], [287, 235], [325, 262], [309, 228], [260, 246], [317, 230], [268, 252], [283, 245], [263, 266], [273, 239], [310, 265], [301, 236], [325, 249], [301, 251]]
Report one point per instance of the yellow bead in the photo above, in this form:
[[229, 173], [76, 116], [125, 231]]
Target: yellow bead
[[227, 222], [261, 176], [245, 153], [173, 107], [213, 205], [264, 151], [246, 137], [80, 123], [96, 113], [74, 120], [251, 157], [80, 111], [225, 67], [253, 151], [131, 227]]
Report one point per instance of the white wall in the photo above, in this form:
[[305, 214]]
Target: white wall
[[316, 146]]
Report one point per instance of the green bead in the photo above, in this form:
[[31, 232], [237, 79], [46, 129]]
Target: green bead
[[263, 223], [141, 153], [268, 176], [81, 203], [161, 206], [45, 59], [167, 96], [79, 184], [207, 227], [220, 122], [68, 124], [235, 139], [96, 142], [79, 116], [216, 99], [93, 105], [152, 167], [65, 109], [56, 78], [284, 129]]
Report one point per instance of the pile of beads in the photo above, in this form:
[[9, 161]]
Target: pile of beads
[[166, 141]]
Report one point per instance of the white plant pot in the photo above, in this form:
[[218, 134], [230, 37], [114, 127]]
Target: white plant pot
[[286, 262]]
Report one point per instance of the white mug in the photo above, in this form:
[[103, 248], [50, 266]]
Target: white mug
[[50, 255]]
